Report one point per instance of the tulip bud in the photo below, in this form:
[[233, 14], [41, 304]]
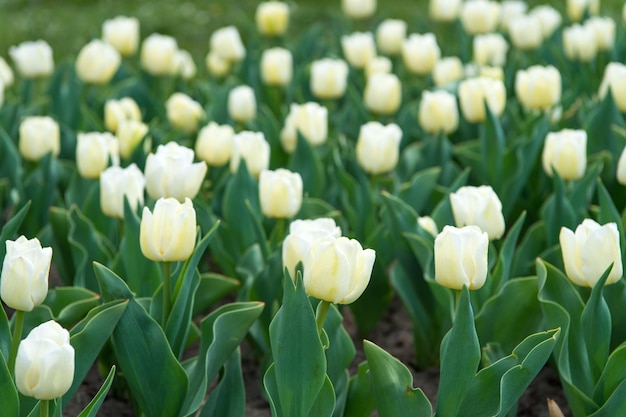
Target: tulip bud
[[549, 18], [272, 18], [378, 147], [428, 224], [378, 65], [478, 206], [576, 9], [158, 54], [589, 251], [438, 112], [169, 233], [97, 62], [490, 49], [444, 10], [117, 183], [227, 44], [461, 257], [39, 135], [117, 110], [25, 270], [604, 31], [33, 59], [447, 70], [185, 67], [183, 112], [511, 10], [310, 119], [337, 270], [566, 153], [214, 144], [44, 366], [538, 88], [6, 73], [329, 78], [217, 65], [420, 53], [242, 104], [122, 33], [276, 66], [614, 80], [480, 16], [525, 32], [390, 35], [579, 43], [383, 93], [553, 409], [302, 234], [254, 149], [280, 193], [170, 172], [93, 152], [475, 92], [358, 48], [130, 133], [358, 9], [621, 168]]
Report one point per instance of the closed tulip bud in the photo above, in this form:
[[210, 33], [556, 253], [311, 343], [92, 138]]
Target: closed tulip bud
[[511, 10], [44, 366], [566, 153], [444, 10], [478, 206], [158, 54], [227, 43], [329, 78], [185, 67], [390, 35], [170, 172], [337, 270], [272, 18], [379, 64], [33, 59], [122, 33], [447, 71], [117, 183], [302, 234], [97, 62], [39, 135], [6, 73], [383, 93], [183, 112], [553, 409], [621, 168], [428, 224], [94, 150], [276, 66], [358, 9], [604, 30], [576, 9], [378, 147], [214, 144], [438, 112], [538, 88], [115, 111], [358, 48], [589, 251], [130, 133], [579, 43], [25, 270], [254, 149], [549, 18], [169, 233], [525, 32], [242, 104], [310, 119], [614, 80], [280, 193], [490, 49], [216, 65], [475, 92], [420, 53], [480, 16], [461, 257]]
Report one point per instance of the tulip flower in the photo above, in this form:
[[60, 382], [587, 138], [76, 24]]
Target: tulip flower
[[383, 93], [461, 257], [276, 66], [33, 59], [254, 149], [358, 48], [390, 35], [329, 78], [122, 33], [242, 104], [538, 88], [438, 112], [158, 54], [94, 150], [420, 53], [358, 9], [272, 18], [475, 92], [478, 206], [480, 16], [97, 62], [214, 144], [444, 10], [129, 134], [378, 147], [614, 80], [310, 119], [280, 193], [6, 73], [183, 112], [39, 135], [226, 43], [117, 183], [566, 153], [448, 70], [115, 111]]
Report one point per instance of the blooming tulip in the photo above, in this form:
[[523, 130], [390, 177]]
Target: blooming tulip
[[490, 49], [566, 153], [117, 183], [122, 33], [549, 19], [444, 10], [378, 65], [615, 80], [214, 144], [378, 147], [169, 233], [478, 206], [158, 54], [276, 66], [242, 104], [217, 65], [438, 112], [428, 224], [97, 62], [358, 9], [130, 133], [420, 53], [538, 88], [117, 110], [390, 35], [480, 16], [461, 257], [475, 92], [579, 43], [280, 193], [94, 150], [447, 70], [621, 168], [39, 135], [254, 149], [358, 48], [6, 73], [604, 31], [310, 119], [185, 67], [33, 59], [227, 44], [511, 10], [329, 78], [383, 93], [525, 32], [272, 18], [183, 112]]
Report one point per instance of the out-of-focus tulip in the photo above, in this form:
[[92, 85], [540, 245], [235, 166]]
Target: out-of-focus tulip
[[97, 62], [39, 135], [252, 148], [475, 92], [358, 9], [420, 53], [226, 42], [130, 133], [549, 18], [280, 193], [379, 64], [170, 172], [117, 183], [604, 30], [25, 270], [242, 104], [576, 9], [217, 65], [169, 233], [511, 10], [461, 257], [525, 32], [183, 112], [478, 206], [214, 144], [428, 224], [490, 49], [448, 70], [438, 112], [565, 152], [579, 43], [158, 54], [6, 73], [480, 16], [378, 147], [358, 48], [310, 119], [390, 35], [94, 150], [538, 88], [44, 366], [383, 93], [122, 33], [185, 67], [115, 111], [272, 18], [444, 10], [589, 251], [329, 78], [621, 168], [276, 66], [615, 80], [33, 59]]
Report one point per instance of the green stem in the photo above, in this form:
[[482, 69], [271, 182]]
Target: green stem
[[167, 289], [43, 408], [320, 317], [15, 340]]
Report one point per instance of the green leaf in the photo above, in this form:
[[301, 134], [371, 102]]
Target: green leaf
[[9, 230], [417, 191], [63, 260], [228, 399], [616, 404], [392, 385], [460, 356], [10, 166], [70, 304], [8, 392], [5, 333], [492, 143], [213, 287], [94, 405], [505, 259], [325, 402], [613, 375], [557, 211], [442, 213], [305, 160], [608, 213], [360, 401]]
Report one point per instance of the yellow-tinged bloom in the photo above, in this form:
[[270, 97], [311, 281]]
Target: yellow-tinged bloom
[[117, 110], [276, 66], [94, 150], [475, 92], [33, 59], [438, 112], [97, 62], [358, 48], [117, 183], [390, 35], [358, 9], [420, 53], [280, 193], [310, 119], [565, 152], [215, 143], [538, 88], [242, 104], [480, 16], [378, 147], [122, 33], [252, 148], [39, 135], [478, 206], [461, 257], [329, 78], [130, 133], [158, 54], [183, 112], [383, 93], [272, 18], [226, 43]]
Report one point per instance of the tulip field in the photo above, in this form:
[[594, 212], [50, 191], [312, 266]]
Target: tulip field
[[188, 193]]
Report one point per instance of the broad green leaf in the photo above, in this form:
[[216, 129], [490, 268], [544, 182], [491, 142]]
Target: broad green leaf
[[360, 401], [492, 144], [557, 211], [40, 186], [305, 160], [608, 213], [94, 405], [582, 190], [5, 333], [10, 165], [417, 191], [70, 304], [60, 227], [213, 287], [8, 392], [339, 356], [325, 402], [392, 385], [613, 375], [228, 399], [502, 270], [9, 230], [616, 404]]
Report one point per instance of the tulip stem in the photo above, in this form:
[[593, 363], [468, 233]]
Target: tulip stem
[[167, 289], [43, 408], [15, 340], [322, 311]]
